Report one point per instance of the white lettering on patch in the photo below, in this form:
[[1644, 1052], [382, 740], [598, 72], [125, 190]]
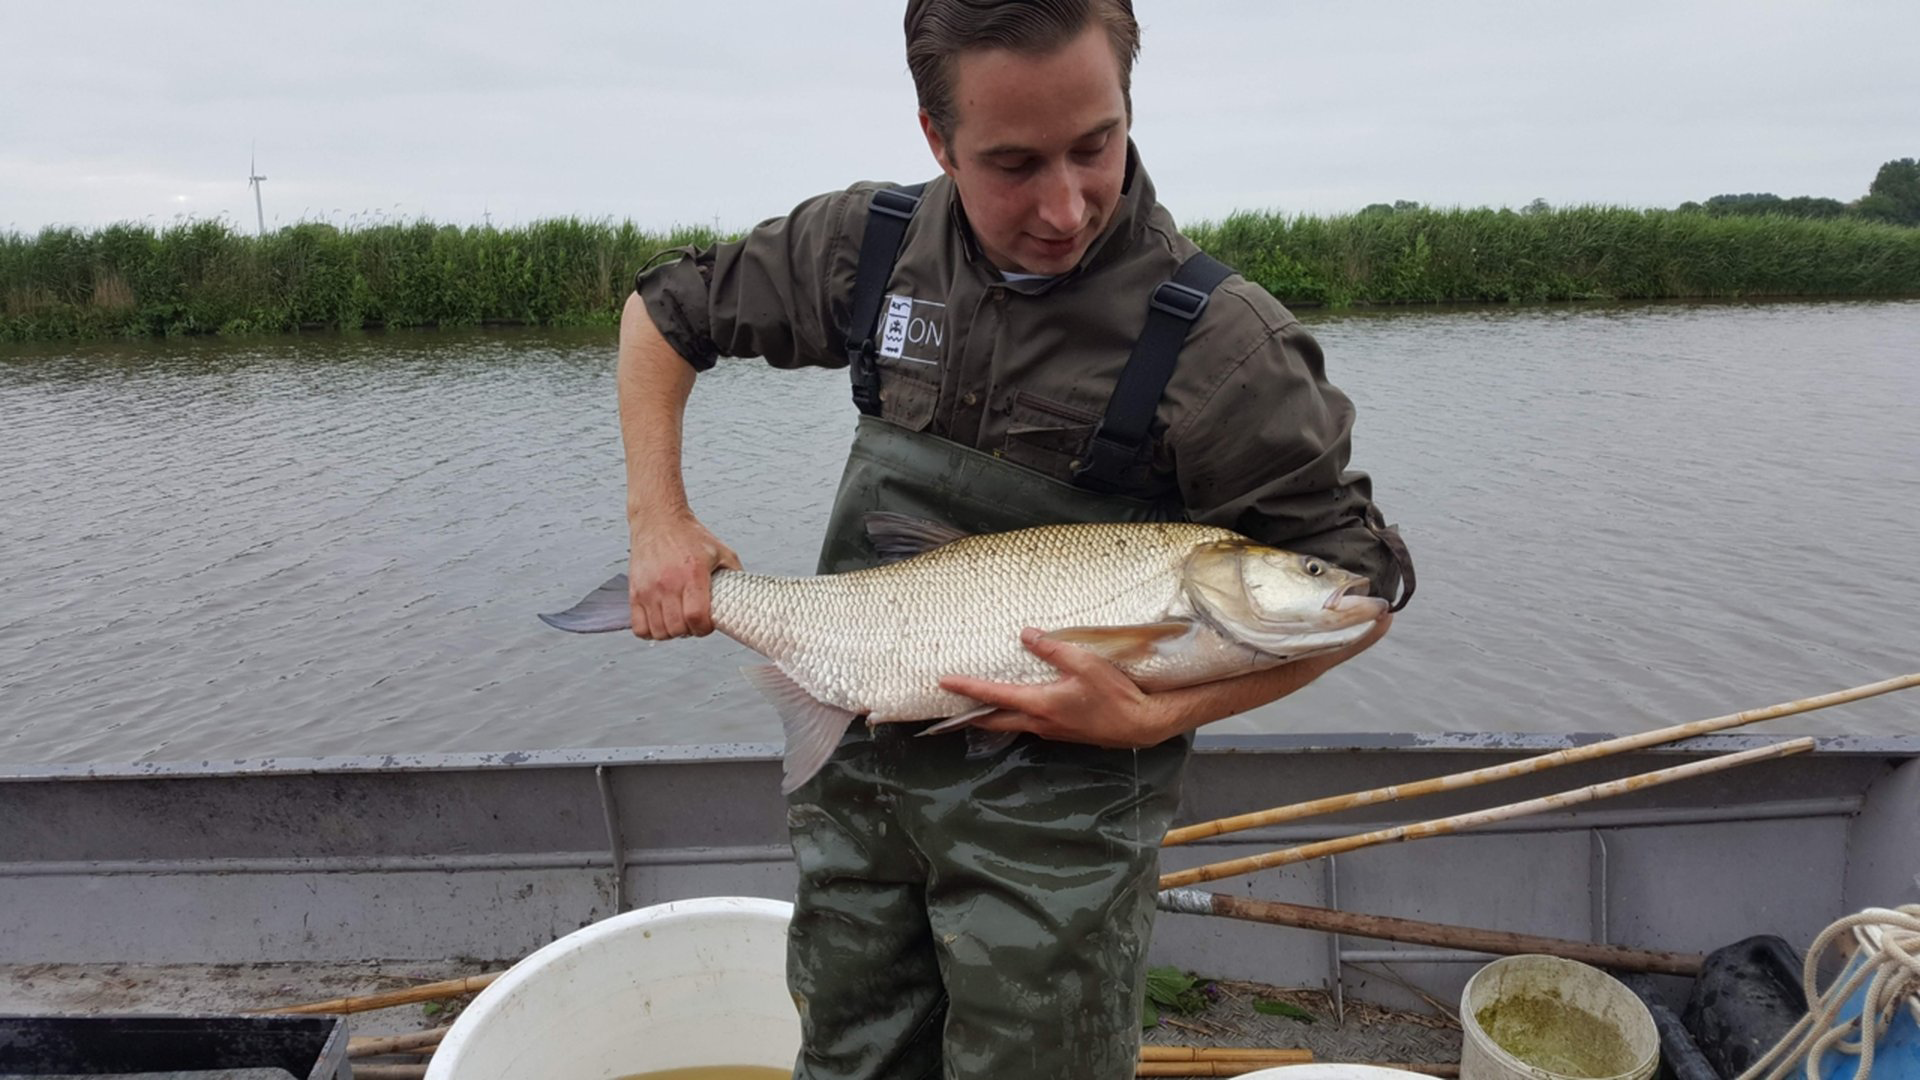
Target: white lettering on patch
[[893, 334], [914, 330]]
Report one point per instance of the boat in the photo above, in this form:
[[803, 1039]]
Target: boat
[[334, 868]]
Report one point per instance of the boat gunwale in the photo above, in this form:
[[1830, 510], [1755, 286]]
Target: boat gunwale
[[1889, 746]]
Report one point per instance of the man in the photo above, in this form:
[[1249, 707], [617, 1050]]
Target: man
[[961, 915]]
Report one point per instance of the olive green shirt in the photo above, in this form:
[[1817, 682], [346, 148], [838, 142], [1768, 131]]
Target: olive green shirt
[[1249, 434]]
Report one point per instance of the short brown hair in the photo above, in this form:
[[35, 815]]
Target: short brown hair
[[939, 30]]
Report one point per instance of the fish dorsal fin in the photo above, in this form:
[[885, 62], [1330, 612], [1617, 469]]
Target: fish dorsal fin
[[813, 727], [1124, 644], [902, 536], [605, 608]]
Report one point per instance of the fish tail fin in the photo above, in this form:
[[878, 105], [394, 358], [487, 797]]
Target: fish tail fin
[[605, 608], [813, 727]]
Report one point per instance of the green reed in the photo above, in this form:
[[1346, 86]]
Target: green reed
[[200, 277], [1423, 256], [204, 277]]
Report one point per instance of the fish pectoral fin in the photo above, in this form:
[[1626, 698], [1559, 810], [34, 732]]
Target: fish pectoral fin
[[902, 536], [813, 727], [605, 608], [1123, 644]]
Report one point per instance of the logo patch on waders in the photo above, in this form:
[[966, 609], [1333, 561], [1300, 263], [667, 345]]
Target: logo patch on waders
[[914, 330]]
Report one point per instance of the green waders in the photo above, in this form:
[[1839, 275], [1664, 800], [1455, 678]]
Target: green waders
[[972, 917]]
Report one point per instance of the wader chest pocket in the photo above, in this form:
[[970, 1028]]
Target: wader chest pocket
[[905, 401], [1046, 435]]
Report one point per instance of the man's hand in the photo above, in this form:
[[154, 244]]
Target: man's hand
[[1094, 701], [669, 577]]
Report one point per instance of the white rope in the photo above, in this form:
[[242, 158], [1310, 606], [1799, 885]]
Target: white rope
[[1890, 969]]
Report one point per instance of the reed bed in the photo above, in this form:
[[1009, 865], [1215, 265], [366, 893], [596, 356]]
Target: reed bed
[[1424, 256], [205, 277]]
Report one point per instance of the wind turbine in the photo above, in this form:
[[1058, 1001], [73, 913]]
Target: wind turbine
[[253, 181]]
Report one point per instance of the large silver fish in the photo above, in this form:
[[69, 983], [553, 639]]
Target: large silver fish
[[1170, 604]]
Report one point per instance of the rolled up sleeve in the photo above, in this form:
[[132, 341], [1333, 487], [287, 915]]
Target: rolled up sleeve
[[773, 293], [1267, 456]]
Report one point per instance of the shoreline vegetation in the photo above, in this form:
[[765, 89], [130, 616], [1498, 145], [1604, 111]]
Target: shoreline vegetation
[[206, 277]]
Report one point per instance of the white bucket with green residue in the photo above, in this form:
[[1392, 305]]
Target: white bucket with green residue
[[1544, 1018]]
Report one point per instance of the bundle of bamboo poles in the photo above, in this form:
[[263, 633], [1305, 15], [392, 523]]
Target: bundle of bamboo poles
[[1476, 777], [1174, 897]]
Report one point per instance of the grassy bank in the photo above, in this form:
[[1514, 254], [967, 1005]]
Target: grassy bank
[[1422, 256], [203, 277]]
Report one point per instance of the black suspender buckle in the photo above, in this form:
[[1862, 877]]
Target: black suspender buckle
[[866, 381], [1179, 301], [894, 202]]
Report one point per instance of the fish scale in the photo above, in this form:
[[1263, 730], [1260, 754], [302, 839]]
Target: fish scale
[[877, 641]]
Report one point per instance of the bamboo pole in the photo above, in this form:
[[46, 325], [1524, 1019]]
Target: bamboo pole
[[1472, 778], [1416, 932], [425, 992], [389, 1072], [1459, 822], [1239, 1068], [1208, 1068], [1289, 1054], [374, 1045]]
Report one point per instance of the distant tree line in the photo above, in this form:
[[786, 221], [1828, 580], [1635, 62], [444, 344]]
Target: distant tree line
[[1893, 197]]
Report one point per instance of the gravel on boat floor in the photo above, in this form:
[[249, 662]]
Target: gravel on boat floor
[[1364, 1033]]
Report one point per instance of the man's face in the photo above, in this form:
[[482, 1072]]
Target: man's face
[[1039, 150]]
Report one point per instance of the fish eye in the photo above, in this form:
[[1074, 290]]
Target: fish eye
[[1314, 567]]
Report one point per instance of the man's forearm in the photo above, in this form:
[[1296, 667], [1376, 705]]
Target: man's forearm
[[1190, 707], [1095, 702], [654, 383]]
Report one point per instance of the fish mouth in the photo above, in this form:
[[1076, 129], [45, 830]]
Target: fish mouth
[[1351, 600]]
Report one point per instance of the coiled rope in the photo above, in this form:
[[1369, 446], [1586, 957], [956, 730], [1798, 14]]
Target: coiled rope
[[1889, 944]]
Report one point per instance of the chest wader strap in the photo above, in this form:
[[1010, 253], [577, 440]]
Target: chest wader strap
[[1171, 312], [888, 213]]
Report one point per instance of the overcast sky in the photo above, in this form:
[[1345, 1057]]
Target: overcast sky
[[728, 112]]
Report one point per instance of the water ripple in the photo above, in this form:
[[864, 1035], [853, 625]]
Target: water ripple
[[1623, 517]]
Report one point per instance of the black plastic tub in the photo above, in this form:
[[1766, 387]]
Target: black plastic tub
[[304, 1047]]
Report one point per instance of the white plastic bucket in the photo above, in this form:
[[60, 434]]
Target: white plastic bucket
[[1330, 1070], [673, 986], [1569, 1020]]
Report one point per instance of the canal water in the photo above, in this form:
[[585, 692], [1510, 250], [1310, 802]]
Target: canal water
[[1624, 517]]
